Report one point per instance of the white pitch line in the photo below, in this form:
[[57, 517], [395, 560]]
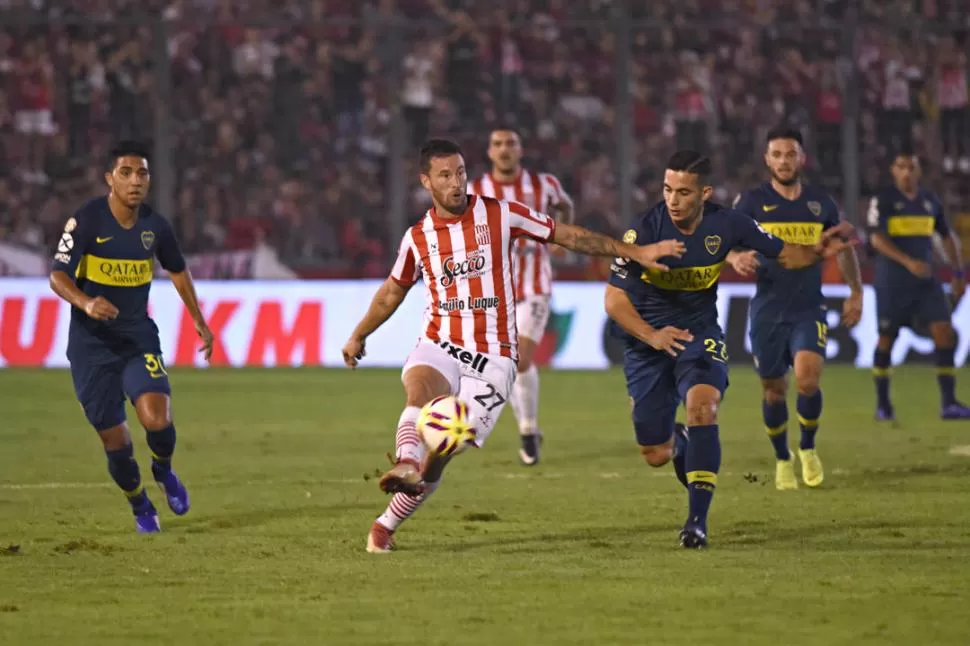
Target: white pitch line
[[962, 450]]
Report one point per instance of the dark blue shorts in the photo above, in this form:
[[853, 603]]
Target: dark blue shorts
[[102, 388], [774, 343], [657, 383], [910, 306]]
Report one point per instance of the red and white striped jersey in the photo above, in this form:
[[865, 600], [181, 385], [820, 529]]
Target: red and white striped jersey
[[466, 265], [539, 192]]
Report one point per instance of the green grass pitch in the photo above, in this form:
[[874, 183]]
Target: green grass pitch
[[578, 550]]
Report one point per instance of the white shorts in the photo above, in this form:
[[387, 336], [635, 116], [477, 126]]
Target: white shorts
[[531, 317], [482, 381]]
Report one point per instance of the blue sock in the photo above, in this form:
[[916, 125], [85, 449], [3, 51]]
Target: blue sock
[[776, 425], [946, 376], [881, 371], [809, 408], [703, 463], [124, 470], [162, 445], [680, 457]]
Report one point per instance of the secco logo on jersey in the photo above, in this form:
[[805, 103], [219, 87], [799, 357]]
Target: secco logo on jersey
[[684, 279], [475, 360], [471, 267], [807, 233], [115, 272]]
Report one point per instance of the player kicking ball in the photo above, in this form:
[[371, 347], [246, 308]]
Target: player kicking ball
[[675, 350], [462, 250], [103, 268]]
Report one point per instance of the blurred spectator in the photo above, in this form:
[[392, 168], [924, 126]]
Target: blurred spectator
[[281, 129]]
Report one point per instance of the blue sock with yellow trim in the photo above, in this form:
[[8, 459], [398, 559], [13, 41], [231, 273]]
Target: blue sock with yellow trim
[[946, 375], [809, 408], [703, 463], [776, 425], [881, 372], [162, 445], [124, 470]]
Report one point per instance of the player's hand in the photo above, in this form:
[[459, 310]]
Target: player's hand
[[669, 339], [835, 239], [958, 286], [852, 310], [648, 255], [354, 351], [919, 268], [208, 340], [745, 263], [100, 309]]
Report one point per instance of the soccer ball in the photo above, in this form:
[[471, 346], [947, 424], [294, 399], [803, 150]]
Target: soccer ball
[[444, 426]]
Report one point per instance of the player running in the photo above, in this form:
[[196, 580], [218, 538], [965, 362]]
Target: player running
[[462, 249], [532, 268], [103, 268], [787, 314], [675, 350], [902, 221]]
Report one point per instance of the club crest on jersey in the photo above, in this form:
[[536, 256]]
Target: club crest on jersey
[[147, 239], [482, 235], [630, 236], [453, 270], [712, 244], [815, 208]]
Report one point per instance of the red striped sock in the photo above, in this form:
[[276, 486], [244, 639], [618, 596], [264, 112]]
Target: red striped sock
[[408, 443], [403, 506]]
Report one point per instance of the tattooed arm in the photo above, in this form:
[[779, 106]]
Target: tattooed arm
[[590, 243]]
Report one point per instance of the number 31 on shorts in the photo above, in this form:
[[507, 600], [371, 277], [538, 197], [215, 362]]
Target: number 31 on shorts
[[154, 366]]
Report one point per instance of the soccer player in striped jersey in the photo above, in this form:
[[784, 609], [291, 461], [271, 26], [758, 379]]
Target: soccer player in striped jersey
[[462, 250], [532, 269]]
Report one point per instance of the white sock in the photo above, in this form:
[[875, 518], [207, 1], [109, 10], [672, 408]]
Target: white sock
[[402, 506], [525, 400], [408, 443]]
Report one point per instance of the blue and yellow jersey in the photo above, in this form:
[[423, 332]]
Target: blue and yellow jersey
[[686, 296], [910, 224], [789, 294], [108, 260]]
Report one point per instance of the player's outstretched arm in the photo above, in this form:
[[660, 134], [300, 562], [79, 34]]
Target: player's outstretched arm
[[185, 286], [590, 243], [388, 298], [745, 263], [833, 242]]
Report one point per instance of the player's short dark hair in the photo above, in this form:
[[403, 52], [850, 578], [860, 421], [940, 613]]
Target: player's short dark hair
[[691, 161], [434, 148], [505, 127], [903, 151], [784, 132], [127, 148]]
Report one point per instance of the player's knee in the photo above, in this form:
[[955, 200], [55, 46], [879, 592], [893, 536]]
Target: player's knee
[[807, 385], [154, 411], [702, 409], [775, 390], [115, 438], [526, 354], [657, 455], [944, 336], [422, 384]]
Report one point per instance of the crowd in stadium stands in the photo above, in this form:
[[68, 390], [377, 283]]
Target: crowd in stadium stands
[[281, 132]]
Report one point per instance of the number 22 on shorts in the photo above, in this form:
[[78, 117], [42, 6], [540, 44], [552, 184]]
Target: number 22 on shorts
[[717, 349]]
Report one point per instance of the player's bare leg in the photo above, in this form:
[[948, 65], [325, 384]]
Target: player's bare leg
[[945, 339], [525, 402], [124, 471], [774, 407], [154, 412], [406, 479], [808, 375], [881, 373], [703, 461]]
